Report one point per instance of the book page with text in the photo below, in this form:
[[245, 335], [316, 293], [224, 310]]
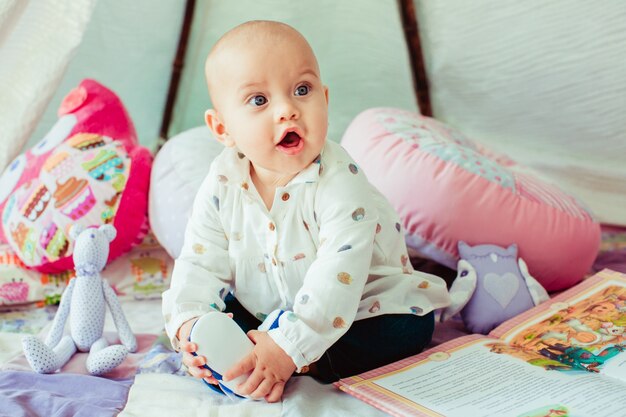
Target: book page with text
[[489, 378]]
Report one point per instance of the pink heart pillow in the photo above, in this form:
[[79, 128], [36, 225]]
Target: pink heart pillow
[[89, 169]]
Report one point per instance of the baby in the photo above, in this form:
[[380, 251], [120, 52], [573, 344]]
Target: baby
[[285, 220]]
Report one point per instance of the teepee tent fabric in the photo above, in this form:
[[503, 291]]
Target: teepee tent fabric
[[130, 47], [37, 40], [541, 81]]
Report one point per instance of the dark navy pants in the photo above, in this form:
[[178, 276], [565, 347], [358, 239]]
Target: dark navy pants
[[368, 343]]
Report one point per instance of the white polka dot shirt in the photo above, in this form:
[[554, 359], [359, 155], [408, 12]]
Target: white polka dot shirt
[[330, 251]]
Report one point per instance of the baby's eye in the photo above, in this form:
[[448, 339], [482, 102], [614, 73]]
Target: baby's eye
[[302, 90], [257, 100]]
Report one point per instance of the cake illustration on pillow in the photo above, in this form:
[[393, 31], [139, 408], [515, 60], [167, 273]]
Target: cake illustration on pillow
[[14, 291], [118, 183], [74, 198], [36, 201], [8, 208], [59, 164], [24, 238], [88, 169], [19, 234], [86, 141], [105, 165], [54, 242]]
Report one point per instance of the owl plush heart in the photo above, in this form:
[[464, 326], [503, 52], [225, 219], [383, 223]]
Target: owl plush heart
[[492, 285]]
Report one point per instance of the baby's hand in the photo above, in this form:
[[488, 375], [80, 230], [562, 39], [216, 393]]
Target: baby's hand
[[271, 368], [194, 363]]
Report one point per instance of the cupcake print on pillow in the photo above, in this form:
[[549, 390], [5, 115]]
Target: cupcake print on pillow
[[90, 172]]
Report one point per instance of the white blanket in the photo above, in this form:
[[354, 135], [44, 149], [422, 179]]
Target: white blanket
[[167, 395]]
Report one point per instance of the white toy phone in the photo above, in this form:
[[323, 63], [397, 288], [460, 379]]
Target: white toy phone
[[223, 343]]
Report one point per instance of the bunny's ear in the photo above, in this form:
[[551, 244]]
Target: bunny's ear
[[512, 250], [109, 231], [462, 289], [537, 292], [463, 249], [76, 230]]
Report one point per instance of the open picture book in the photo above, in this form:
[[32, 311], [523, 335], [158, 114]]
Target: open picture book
[[564, 357]]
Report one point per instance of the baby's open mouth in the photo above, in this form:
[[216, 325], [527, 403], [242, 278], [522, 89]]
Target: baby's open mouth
[[291, 140], [291, 144]]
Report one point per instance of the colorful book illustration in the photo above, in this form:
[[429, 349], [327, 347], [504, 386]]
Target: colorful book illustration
[[564, 357]]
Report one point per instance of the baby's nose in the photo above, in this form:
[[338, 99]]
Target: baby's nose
[[286, 111]]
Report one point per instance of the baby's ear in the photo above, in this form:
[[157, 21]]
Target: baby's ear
[[214, 122], [109, 231], [76, 230]]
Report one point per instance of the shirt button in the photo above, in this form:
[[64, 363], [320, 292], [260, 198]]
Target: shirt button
[[285, 196], [272, 227]]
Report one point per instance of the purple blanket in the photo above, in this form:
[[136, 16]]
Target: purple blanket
[[59, 395]]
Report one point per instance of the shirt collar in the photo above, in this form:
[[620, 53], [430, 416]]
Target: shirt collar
[[236, 167]]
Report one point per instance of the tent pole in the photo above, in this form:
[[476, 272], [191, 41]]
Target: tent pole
[[177, 67], [411, 33]]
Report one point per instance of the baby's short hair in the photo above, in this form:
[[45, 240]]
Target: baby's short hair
[[250, 33]]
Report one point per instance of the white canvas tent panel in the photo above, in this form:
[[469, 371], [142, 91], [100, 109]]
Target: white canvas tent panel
[[129, 47], [542, 83]]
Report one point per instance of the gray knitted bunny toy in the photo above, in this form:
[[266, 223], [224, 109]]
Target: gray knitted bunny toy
[[85, 298]]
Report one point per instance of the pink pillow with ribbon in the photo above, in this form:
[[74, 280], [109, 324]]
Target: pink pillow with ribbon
[[89, 169], [448, 188]]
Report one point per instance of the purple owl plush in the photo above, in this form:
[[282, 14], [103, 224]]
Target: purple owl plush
[[84, 303], [492, 286]]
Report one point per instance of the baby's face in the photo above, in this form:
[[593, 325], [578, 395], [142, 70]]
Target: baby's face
[[603, 308], [272, 103]]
